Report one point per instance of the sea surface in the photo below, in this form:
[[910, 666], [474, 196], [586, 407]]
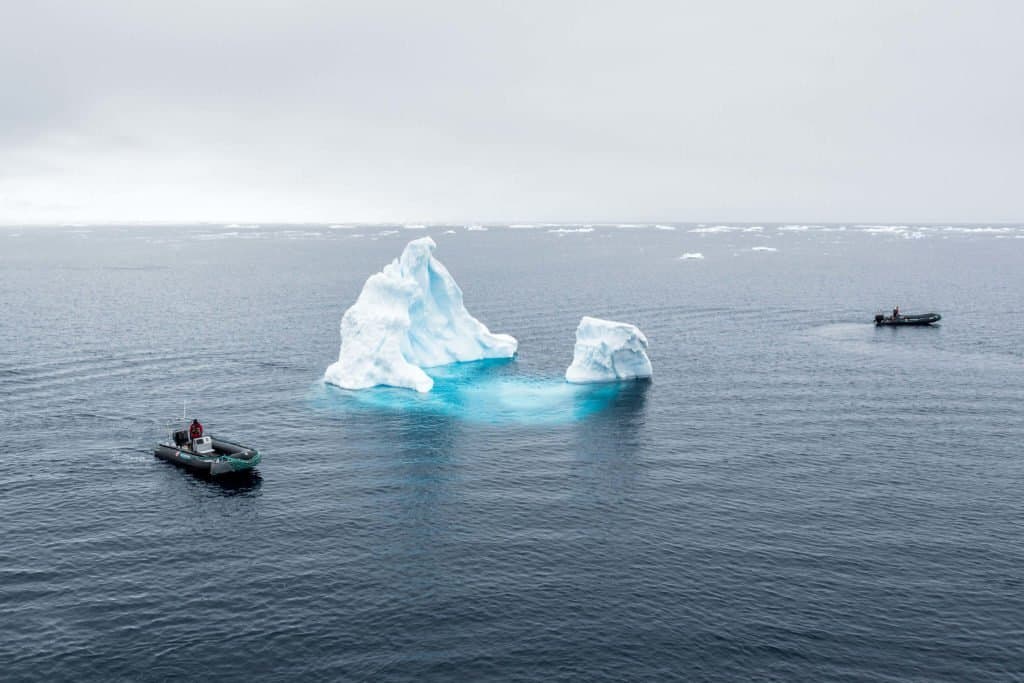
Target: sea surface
[[796, 496]]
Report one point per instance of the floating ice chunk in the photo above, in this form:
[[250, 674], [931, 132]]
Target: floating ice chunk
[[883, 229], [691, 255], [987, 229], [763, 249], [566, 231], [408, 317], [665, 227], [607, 351], [715, 228]]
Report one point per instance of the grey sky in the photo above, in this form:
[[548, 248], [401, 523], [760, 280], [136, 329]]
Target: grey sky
[[489, 111]]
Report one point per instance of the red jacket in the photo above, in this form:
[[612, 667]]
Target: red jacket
[[195, 431]]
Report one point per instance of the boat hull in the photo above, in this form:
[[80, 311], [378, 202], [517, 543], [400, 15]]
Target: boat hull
[[227, 457]]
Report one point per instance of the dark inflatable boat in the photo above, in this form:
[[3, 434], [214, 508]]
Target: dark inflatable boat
[[900, 319], [207, 454]]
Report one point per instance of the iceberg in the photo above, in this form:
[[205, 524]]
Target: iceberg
[[608, 351], [408, 317]]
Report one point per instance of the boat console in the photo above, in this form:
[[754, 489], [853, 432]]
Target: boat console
[[202, 446]]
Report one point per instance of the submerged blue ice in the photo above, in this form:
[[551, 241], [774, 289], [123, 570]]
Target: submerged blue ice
[[483, 392]]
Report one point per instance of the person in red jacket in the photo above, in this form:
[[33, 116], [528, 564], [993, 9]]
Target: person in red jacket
[[195, 430]]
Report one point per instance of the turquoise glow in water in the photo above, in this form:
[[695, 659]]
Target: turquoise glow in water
[[484, 391]]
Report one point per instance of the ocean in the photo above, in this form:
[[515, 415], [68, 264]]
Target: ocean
[[796, 495]]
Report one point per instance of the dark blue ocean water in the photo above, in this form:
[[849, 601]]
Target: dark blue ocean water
[[796, 496]]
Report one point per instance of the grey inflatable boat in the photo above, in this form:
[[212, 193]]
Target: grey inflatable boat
[[922, 319], [207, 454]]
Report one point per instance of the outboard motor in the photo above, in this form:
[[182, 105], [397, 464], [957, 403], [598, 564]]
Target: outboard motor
[[879, 318], [180, 438]]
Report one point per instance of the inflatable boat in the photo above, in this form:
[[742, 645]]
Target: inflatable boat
[[922, 319], [207, 454]]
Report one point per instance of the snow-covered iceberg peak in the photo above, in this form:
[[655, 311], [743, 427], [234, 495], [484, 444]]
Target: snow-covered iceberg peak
[[408, 317], [607, 351]]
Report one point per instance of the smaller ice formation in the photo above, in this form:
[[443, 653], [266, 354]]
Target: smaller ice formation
[[408, 317], [692, 256], [607, 351]]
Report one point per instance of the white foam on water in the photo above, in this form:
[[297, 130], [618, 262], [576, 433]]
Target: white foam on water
[[692, 256], [763, 249]]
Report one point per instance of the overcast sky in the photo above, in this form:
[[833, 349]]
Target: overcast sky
[[243, 110]]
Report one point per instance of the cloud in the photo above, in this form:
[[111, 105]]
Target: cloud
[[529, 111]]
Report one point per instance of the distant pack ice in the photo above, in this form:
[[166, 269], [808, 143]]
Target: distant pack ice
[[608, 351], [408, 317]]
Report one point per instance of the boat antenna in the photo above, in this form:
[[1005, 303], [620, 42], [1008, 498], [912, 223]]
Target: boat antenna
[[184, 413]]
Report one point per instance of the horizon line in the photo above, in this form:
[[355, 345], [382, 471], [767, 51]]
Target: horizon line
[[488, 223]]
